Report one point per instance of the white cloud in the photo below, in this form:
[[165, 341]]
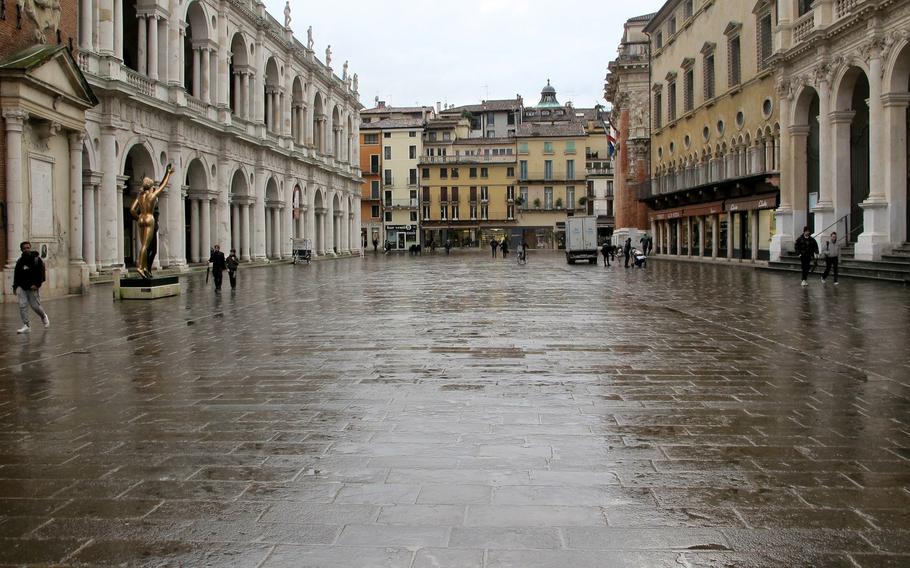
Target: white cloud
[[408, 52]]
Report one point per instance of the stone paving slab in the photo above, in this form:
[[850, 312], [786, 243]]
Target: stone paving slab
[[462, 412]]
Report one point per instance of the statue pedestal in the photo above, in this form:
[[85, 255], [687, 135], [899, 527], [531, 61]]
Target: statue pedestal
[[142, 289]]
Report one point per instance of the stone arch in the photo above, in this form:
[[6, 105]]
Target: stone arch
[[298, 110], [349, 142], [852, 146], [271, 88], [138, 163], [196, 47], [319, 123], [897, 146], [238, 73]]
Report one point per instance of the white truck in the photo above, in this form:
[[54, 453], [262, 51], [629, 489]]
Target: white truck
[[581, 239]]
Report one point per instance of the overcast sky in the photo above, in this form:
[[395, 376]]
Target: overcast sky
[[408, 52]]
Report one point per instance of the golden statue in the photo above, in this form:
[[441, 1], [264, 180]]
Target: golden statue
[[143, 211]]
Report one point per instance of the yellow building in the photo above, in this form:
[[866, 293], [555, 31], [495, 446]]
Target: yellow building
[[468, 187], [551, 179], [715, 135]]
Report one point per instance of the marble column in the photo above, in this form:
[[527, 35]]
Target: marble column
[[15, 192], [276, 233], [194, 230], [76, 205], [245, 95], [679, 237], [118, 29], [825, 209], [89, 226], [153, 47], [205, 57], [142, 46], [245, 232], [105, 26], [235, 228], [197, 73], [86, 23], [238, 85], [205, 228], [730, 236], [754, 220]]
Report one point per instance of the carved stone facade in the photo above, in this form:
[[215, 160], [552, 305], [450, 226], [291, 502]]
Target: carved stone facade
[[843, 85], [246, 114], [627, 89]]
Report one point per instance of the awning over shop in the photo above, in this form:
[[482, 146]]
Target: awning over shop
[[765, 201], [666, 214]]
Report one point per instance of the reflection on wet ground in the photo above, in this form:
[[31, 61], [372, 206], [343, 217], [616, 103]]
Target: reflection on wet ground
[[462, 412]]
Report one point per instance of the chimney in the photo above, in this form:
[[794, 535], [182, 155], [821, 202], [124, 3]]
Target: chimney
[[438, 107]]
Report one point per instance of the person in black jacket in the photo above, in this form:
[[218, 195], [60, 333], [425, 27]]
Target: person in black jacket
[[232, 263], [806, 248], [605, 250], [218, 266], [28, 277], [627, 251]]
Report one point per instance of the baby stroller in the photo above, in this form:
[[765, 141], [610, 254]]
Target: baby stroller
[[639, 258]]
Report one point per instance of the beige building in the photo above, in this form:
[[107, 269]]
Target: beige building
[[401, 142], [715, 131], [843, 92]]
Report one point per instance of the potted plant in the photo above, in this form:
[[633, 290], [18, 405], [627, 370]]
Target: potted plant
[[582, 201], [519, 201], [537, 203], [559, 202]]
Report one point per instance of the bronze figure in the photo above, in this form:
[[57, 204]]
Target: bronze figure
[[143, 211]]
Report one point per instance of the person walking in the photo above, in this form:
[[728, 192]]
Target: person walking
[[494, 244], [605, 250], [28, 276], [650, 245], [832, 254], [448, 246], [806, 248], [627, 251], [643, 241], [504, 246], [232, 263], [218, 266], [375, 245]]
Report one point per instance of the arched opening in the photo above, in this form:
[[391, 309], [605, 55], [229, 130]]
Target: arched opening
[[196, 53], [138, 165], [298, 111], [319, 216], [806, 183], [240, 215], [349, 131], [850, 193], [898, 146], [337, 212], [336, 133], [318, 124], [272, 97], [273, 239], [197, 213], [130, 35], [239, 84]]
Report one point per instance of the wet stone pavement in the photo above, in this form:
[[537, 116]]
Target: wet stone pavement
[[462, 412]]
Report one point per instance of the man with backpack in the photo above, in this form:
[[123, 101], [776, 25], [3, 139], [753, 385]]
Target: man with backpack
[[807, 249], [28, 277]]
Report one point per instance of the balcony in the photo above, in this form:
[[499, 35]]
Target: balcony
[[599, 171], [390, 204], [550, 177], [427, 160]]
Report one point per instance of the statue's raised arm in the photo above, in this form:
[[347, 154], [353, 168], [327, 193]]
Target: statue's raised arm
[[164, 181]]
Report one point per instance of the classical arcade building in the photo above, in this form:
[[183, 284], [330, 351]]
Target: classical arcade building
[[262, 135], [843, 85]]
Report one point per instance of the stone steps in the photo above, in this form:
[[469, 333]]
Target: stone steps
[[894, 267]]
